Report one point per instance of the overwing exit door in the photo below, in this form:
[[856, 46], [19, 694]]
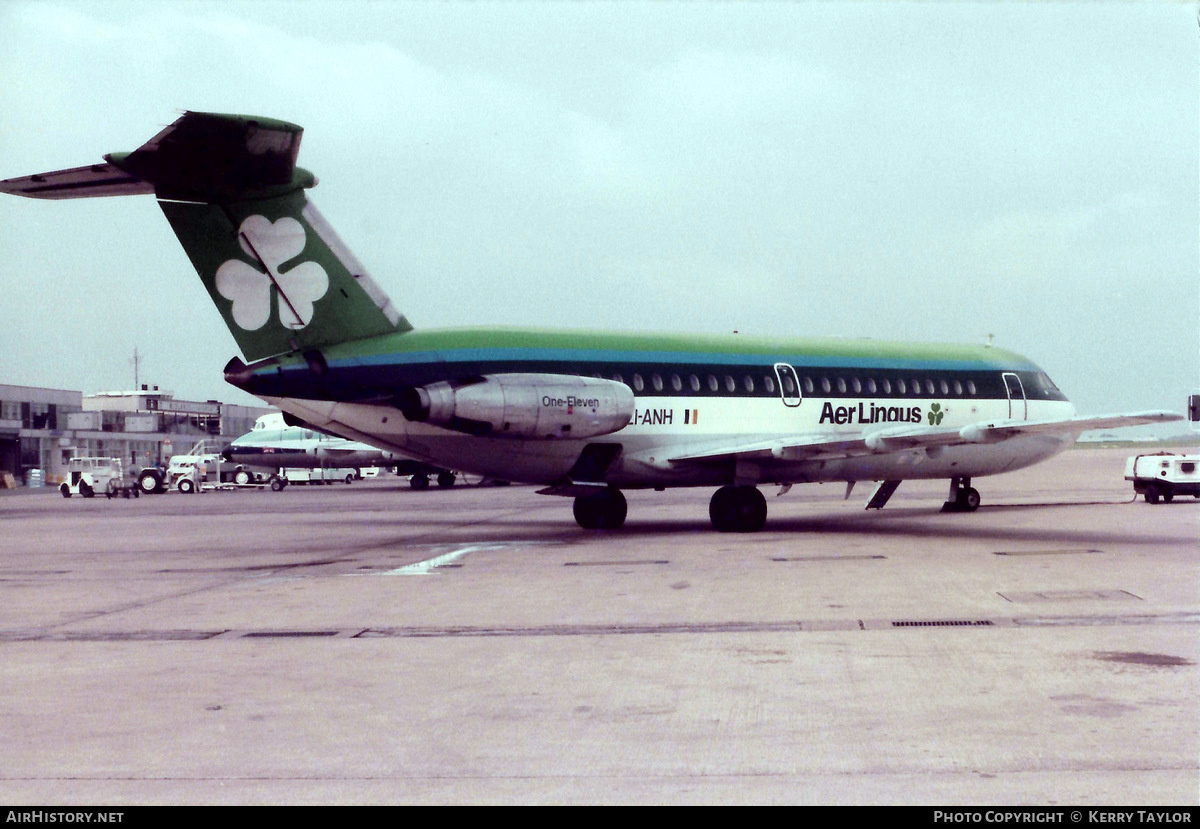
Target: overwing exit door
[[1018, 406], [789, 384]]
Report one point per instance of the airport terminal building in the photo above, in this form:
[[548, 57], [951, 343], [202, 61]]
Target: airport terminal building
[[41, 429]]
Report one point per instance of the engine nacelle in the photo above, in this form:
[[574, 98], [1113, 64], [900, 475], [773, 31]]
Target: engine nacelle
[[538, 406]]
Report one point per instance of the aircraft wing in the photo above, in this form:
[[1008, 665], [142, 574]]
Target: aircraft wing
[[846, 445]]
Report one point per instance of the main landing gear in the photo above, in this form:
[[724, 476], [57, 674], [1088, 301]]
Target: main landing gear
[[963, 496], [738, 509], [733, 509], [605, 510]]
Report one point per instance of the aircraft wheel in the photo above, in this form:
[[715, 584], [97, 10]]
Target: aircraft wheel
[[968, 499], [419, 482], [445, 479], [738, 509], [603, 511]]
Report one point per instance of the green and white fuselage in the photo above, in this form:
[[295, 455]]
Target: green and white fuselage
[[701, 405], [584, 414]]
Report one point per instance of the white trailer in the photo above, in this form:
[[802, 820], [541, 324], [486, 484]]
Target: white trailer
[[318, 475]]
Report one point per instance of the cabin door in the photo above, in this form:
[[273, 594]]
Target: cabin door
[[789, 384], [1018, 406]]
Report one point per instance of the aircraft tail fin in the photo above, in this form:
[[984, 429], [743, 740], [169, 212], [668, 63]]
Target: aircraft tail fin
[[229, 185]]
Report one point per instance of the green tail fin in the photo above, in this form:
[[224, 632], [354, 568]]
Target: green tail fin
[[280, 276], [230, 188]]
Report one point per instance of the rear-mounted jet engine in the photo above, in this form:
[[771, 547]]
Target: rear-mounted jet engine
[[540, 406]]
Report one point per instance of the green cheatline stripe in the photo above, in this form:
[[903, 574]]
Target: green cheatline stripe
[[533, 343]]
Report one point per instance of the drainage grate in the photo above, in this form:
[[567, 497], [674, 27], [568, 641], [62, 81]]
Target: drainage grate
[[1045, 552], [828, 558], [612, 563], [1071, 595], [273, 634], [942, 623]]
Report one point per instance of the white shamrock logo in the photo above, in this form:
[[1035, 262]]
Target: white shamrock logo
[[250, 288]]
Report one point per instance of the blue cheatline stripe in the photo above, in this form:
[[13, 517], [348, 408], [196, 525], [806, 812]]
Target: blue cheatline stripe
[[699, 358]]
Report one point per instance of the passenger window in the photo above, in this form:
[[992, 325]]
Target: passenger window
[[958, 387], [676, 383], [887, 386], [694, 382], [617, 377], [929, 387], [871, 385], [971, 387], [748, 382], [808, 385], [769, 383], [900, 387], [712, 383], [789, 387], [730, 386], [856, 384], [656, 381], [945, 387], [638, 385], [825, 387], [916, 387], [841, 384]]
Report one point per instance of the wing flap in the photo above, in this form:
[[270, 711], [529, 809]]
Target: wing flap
[[998, 430], [825, 446]]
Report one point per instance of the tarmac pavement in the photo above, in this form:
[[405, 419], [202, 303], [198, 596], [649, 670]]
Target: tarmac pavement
[[374, 644]]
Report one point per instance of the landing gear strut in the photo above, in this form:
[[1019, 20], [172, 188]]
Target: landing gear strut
[[605, 510], [963, 497], [738, 509]]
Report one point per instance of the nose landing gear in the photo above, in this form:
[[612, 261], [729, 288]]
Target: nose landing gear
[[963, 497]]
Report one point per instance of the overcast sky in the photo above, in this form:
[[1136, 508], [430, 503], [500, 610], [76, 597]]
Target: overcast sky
[[926, 171]]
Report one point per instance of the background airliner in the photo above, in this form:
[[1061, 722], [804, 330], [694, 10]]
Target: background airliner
[[585, 414], [274, 444]]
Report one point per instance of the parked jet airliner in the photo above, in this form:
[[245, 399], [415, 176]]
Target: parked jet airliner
[[585, 414], [274, 444]]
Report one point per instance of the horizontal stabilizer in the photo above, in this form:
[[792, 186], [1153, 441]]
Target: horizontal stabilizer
[[78, 183], [202, 156]]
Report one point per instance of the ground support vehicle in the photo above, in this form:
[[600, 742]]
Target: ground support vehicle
[[89, 476], [1162, 476]]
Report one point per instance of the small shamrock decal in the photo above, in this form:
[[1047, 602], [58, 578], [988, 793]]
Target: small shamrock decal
[[935, 414]]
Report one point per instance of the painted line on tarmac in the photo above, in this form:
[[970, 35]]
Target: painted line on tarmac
[[428, 566]]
